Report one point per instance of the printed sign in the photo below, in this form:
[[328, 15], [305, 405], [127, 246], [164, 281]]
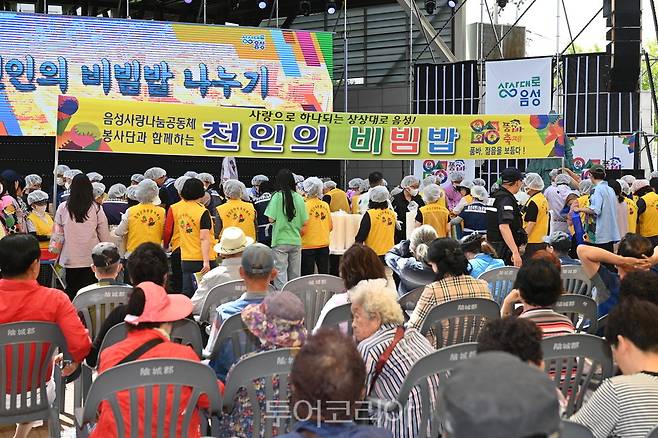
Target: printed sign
[[43, 56], [519, 86], [105, 125]]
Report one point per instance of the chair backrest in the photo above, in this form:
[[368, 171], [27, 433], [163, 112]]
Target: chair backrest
[[501, 282], [314, 291], [96, 304], [459, 321], [575, 280], [220, 294], [339, 315], [577, 363], [35, 343], [653, 433], [234, 333], [185, 331], [409, 300], [580, 309], [265, 365], [438, 364], [164, 374], [575, 430]]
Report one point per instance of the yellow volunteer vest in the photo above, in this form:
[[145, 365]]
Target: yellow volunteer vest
[[318, 226], [175, 235], [43, 227], [632, 215], [437, 216], [381, 237], [338, 200], [648, 224], [187, 218], [355, 204], [541, 228], [238, 213], [145, 224]]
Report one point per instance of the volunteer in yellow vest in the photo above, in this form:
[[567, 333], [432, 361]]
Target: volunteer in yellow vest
[[335, 197], [39, 222], [145, 221], [195, 230], [353, 188], [315, 233], [377, 229], [171, 237], [434, 213], [235, 212], [647, 211], [536, 220]]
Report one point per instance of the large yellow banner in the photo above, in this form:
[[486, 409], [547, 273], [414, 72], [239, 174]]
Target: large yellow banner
[[85, 124]]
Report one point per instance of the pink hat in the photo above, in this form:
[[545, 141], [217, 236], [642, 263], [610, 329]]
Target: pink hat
[[160, 306]]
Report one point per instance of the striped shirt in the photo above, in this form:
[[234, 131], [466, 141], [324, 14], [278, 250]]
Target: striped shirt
[[406, 353], [623, 406], [447, 289], [550, 322]]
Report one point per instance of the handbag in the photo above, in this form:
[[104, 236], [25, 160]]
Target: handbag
[[56, 239]]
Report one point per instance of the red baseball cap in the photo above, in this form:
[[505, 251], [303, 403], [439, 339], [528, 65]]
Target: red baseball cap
[[160, 306]]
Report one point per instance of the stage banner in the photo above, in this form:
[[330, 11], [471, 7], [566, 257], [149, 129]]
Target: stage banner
[[43, 56], [105, 125], [519, 86]]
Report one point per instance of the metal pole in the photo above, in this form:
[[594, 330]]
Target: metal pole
[[204, 11], [653, 13], [581, 30], [345, 60], [557, 27], [411, 51], [480, 56], [55, 178], [127, 8], [651, 83], [648, 149], [511, 27]]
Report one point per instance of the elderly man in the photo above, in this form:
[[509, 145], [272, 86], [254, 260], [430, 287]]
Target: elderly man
[[451, 188], [407, 200], [106, 264]]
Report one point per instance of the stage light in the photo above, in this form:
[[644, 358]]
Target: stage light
[[305, 7], [262, 4], [331, 8], [429, 6], [188, 1], [452, 3]]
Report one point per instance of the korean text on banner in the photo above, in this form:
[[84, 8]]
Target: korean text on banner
[[519, 86], [105, 125]]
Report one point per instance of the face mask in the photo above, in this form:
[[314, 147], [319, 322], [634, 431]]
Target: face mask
[[67, 185], [60, 181], [40, 209], [414, 192]]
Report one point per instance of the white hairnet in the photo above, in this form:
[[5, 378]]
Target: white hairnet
[[146, 192], [298, 178], [155, 173], [432, 193], [180, 182], [98, 189], [206, 178], [61, 168], [466, 184], [191, 174], [355, 183], [456, 176], [479, 192], [625, 188], [234, 188], [259, 179], [32, 180], [95, 177], [36, 196], [533, 181], [364, 186], [628, 179], [329, 185], [654, 174], [428, 180], [553, 173], [563, 178], [313, 187], [379, 194], [584, 187], [71, 173], [137, 177], [130, 193], [479, 182], [117, 191], [493, 188], [409, 181], [638, 184]]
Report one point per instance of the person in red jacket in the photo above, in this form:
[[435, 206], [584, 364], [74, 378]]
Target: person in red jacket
[[23, 299], [151, 313]]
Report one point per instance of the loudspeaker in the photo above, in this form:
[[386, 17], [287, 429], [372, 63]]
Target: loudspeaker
[[625, 38]]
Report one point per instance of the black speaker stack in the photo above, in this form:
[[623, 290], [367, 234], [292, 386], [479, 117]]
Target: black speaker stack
[[624, 18]]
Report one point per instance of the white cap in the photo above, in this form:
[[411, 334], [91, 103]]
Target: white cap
[[628, 179], [479, 182], [191, 174], [36, 196], [585, 186], [95, 177], [259, 179], [98, 189], [355, 183], [409, 181], [155, 173], [329, 185], [432, 193], [638, 184], [117, 191], [534, 181], [137, 177], [313, 187], [71, 173], [298, 178], [480, 193], [130, 193], [233, 188], [625, 188], [466, 184], [379, 194], [180, 182], [146, 192], [431, 179], [563, 178], [206, 178], [61, 168], [456, 176], [32, 180]]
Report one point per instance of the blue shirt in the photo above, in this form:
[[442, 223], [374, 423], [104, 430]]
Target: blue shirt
[[482, 263], [222, 363], [603, 203]]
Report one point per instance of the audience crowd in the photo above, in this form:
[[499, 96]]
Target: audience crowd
[[179, 245]]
